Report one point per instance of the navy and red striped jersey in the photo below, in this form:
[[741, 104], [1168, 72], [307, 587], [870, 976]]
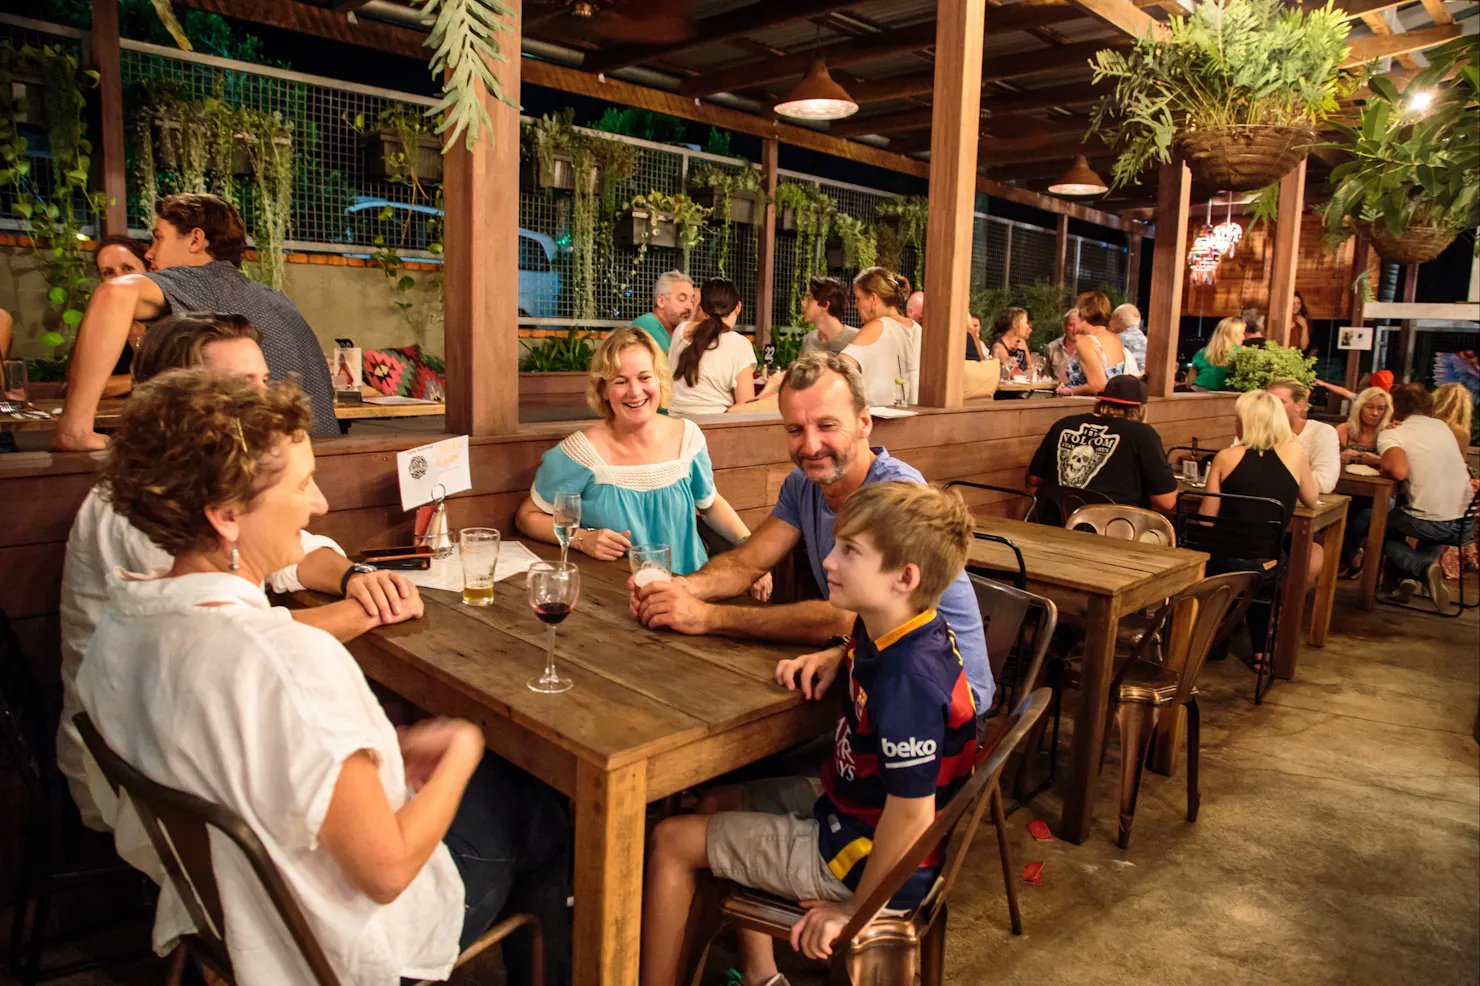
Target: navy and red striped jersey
[[909, 730]]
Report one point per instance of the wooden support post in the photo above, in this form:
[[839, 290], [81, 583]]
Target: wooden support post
[[1163, 319], [765, 254], [1360, 251], [955, 132], [481, 274], [1286, 256], [1133, 269], [1060, 251], [108, 62], [1401, 360]]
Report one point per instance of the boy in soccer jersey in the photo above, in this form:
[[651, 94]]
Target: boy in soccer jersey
[[905, 743]]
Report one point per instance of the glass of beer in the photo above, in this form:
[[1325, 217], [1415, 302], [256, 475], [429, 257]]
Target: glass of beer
[[478, 547], [650, 563]]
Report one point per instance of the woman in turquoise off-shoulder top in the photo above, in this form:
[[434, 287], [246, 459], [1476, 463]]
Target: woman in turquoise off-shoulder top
[[643, 477]]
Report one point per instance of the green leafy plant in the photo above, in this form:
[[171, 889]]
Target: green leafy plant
[[1044, 301], [911, 214], [860, 242], [642, 124], [814, 210], [566, 355], [270, 148], [725, 183], [1253, 367], [1409, 167], [689, 216], [54, 219], [1230, 63]]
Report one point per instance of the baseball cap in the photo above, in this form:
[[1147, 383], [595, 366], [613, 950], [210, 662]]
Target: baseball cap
[[1124, 389]]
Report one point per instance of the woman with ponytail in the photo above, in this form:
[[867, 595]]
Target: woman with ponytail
[[712, 363], [887, 348]]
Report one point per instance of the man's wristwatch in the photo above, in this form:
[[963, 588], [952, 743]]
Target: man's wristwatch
[[358, 568], [842, 640]]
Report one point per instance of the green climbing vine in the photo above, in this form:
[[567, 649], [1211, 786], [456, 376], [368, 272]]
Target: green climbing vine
[[686, 214], [860, 242], [724, 183], [910, 215], [270, 148], [814, 211], [53, 218]]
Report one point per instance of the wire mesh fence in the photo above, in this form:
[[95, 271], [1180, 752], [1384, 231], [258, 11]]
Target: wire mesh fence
[[340, 205]]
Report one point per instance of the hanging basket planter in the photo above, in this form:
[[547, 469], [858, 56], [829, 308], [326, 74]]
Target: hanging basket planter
[[633, 229], [384, 157], [558, 176], [746, 208], [1243, 159], [1417, 245]]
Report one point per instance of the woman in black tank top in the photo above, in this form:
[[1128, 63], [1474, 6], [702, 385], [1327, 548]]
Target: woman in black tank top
[[1257, 468]]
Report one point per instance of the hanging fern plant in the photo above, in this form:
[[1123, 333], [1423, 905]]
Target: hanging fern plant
[[860, 244], [270, 146]]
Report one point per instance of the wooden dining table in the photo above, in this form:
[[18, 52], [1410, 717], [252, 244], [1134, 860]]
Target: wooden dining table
[[109, 409], [650, 715], [1094, 581], [1381, 489]]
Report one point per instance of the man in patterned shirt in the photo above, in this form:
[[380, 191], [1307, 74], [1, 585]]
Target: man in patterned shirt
[[195, 266], [904, 746]]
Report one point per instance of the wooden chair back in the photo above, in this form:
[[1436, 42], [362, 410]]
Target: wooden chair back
[[1125, 522], [1056, 503], [179, 825], [1019, 625], [1198, 617], [956, 825]]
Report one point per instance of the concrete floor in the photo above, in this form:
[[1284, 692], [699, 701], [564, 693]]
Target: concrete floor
[[1338, 840]]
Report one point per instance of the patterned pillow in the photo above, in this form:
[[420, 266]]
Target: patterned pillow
[[388, 371]]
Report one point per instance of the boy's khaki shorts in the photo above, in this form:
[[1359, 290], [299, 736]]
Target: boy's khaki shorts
[[770, 844]]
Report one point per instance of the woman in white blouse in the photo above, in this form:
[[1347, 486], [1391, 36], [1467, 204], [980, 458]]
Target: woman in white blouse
[[887, 348], [712, 363], [196, 681]]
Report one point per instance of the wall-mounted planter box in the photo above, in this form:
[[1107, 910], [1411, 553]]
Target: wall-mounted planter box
[[632, 229], [786, 220], [746, 208], [241, 154], [167, 136], [382, 156], [559, 176], [835, 258], [31, 90]]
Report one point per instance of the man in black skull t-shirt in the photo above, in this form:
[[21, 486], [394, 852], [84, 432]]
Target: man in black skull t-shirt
[[1111, 451]]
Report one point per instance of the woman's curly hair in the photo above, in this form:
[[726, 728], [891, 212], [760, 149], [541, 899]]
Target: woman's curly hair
[[192, 439]]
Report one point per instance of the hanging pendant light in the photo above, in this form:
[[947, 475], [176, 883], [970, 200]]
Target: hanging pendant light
[[817, 97], [1079, 180]]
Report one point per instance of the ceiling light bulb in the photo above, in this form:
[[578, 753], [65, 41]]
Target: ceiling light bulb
[[1420, 101], [817, 97]]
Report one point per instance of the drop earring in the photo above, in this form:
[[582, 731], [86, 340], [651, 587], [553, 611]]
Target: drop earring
[[236, 559]]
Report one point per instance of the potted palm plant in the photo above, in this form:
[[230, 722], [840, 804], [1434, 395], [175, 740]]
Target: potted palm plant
[[1237, 88], [1413, 177]]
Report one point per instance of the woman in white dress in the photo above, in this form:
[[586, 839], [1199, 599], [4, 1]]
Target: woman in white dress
[[712, 363], [887, 348]]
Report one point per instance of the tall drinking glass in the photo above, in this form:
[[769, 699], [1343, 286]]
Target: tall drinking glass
[[14, 388], [567, 520], [650, 563], [554, 589], [478, 547]]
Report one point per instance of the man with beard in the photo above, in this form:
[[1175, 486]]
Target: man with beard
[[825, 411]]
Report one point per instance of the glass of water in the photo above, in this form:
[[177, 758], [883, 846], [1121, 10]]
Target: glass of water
[[650, 563], [478, 547], [14, 387], [567, 520]]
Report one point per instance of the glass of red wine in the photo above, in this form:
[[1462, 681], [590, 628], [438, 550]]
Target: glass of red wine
[[554, 589]]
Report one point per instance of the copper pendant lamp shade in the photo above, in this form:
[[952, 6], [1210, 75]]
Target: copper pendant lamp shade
[[1079, 180], [817, 97]]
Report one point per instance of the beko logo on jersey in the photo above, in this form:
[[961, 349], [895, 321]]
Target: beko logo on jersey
[[919, 750]]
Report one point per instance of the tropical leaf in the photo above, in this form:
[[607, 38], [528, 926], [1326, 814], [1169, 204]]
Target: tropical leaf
[[171, 23]]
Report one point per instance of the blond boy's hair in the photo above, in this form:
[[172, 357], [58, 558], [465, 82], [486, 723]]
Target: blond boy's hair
[[912, 522]]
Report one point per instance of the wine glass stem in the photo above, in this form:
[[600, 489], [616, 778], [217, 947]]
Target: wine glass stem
[[564, 549], [550, 653]]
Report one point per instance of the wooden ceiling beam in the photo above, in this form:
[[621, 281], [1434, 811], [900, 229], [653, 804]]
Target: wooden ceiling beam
[[1379, 26], [1020, 16], [1352, 9], [837, 54], [348, 6], [1073, 96], [1438, 13], [1015, 66], [1364, 50], [1125, 17], [722, 27]]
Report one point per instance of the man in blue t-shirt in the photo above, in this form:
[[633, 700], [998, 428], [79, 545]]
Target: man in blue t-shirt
[[825, 411]]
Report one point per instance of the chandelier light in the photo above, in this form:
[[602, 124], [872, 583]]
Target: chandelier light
[[1080, 179], [817, 97]]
